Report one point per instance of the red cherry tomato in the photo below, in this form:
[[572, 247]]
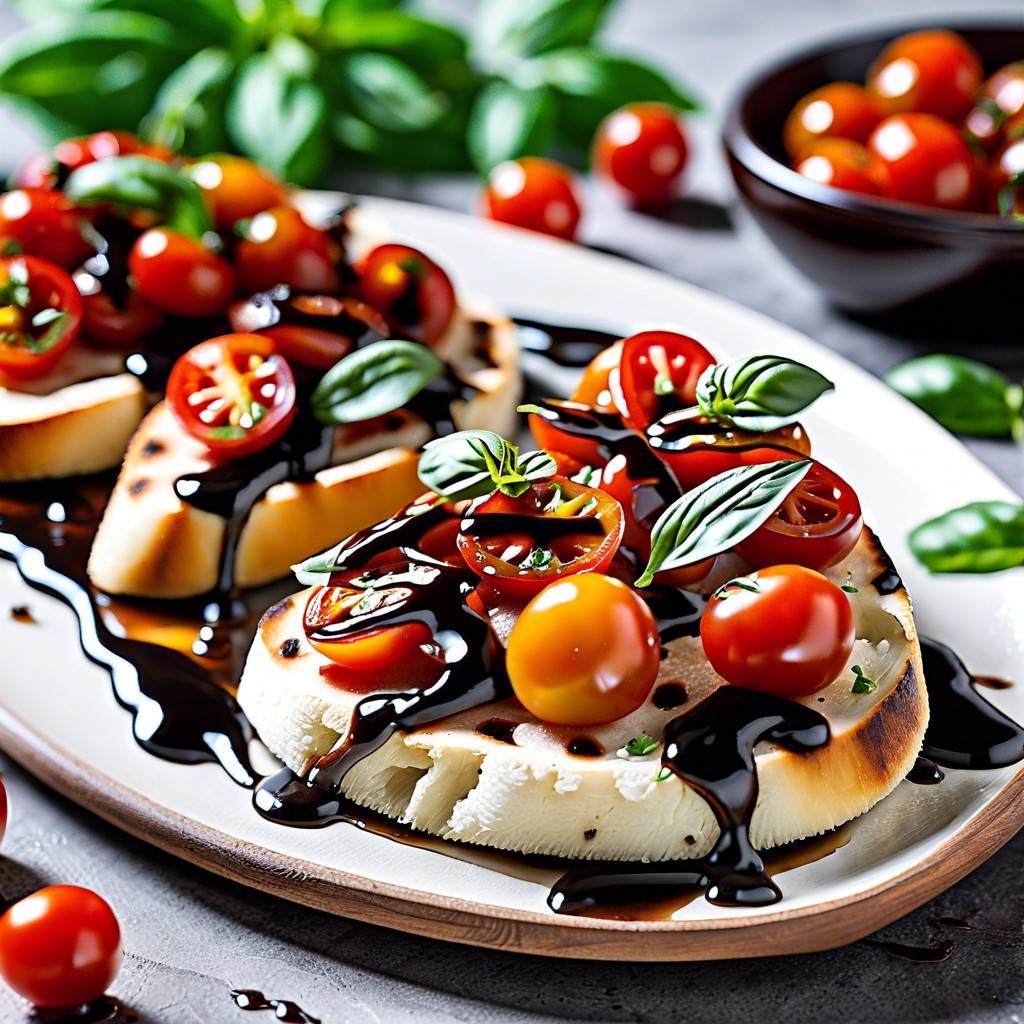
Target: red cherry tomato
[[790, 636], [584, 651], [41, 169], [1004, 180], [40, 315], [817, 525], [180, 275], [838, 110], [642, 149], [60, 947], [119, 324], [279, 247], [235, 188], [554, 529], [931, 72], [533, 193], [844, 164], [658, 374], [998, 111], [44, 224], [412, 292], [234, 393], [594, 388], [929, 161]]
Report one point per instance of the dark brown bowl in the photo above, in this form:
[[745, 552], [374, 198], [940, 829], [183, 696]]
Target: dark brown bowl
[[872, 256]]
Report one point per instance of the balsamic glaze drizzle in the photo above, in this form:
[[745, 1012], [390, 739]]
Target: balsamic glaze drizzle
[[284, 1009], [573, 347]]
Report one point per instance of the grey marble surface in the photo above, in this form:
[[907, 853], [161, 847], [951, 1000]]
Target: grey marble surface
[[191, 937]]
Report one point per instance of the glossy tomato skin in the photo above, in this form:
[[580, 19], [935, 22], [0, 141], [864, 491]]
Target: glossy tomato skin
[[844, 164], [44, 224], [1004, 193], [235, 188], [534, 193], [119, 325], [49, 288], [594, 387], [931, 72], [60, 947], [642, 149], [584, 651], [224, 370], [998, 111], [928, 160], [817, 525], [839, 110], [180, 275], [791, 637], [43, 170], [279, 247], [409, 289]]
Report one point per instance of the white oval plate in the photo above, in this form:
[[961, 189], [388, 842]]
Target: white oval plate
[[57, 714]]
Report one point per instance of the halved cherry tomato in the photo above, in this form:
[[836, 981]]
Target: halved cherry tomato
[[658, 374], [642, 149], [44, 224], [533, 193], [556, 528], [413, 293], [235, 188], [931, 72], [840, 110], [584, 651], [593, 388], [788, 630], [279, 247], [233, 393], [843, 163], [180, 275], [60, 947], [40, 314], [817, 525]]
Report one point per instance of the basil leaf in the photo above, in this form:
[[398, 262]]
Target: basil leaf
[[965, 396], [432, 150], [432, 49], [719, 513], [759, 392], [537, 466], [462, 465], [507, 30], [373, 381], [984, 536], [507, 122], [203, 22], [386, 92]]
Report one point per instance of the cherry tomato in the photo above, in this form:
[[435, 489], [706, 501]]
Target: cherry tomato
[[658, 374], [533, 193], [233, 393], [554, 529], [60, 947], [40, 315], [838, 110], [552, 438], [844, 164], [593, 388], [235, 188], [44, 224], [279, 247], [1004, 180], [929, 161], [584, 651], [931, 72], [642, 149], [180, 275], [791, 635], [998, 111], [42, 170], [817, 525], [413, 293], [121, 324]]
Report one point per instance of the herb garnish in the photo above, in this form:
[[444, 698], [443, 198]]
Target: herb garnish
[[740, 582], [984, 536], [640, 746], [862, 684]]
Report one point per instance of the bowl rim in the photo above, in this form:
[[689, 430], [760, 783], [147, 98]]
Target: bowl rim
[[745, 149]]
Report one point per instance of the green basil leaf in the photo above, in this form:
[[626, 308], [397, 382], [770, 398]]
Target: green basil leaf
[[537, 466], [187, 114], [389, 94], [507, 30], [433, 150], [434, 50], [965, 396], [507, 122], [759, 392], [462, 465], [373, 381], [984, 536], [203, 22], [719, 513], [276, 114]]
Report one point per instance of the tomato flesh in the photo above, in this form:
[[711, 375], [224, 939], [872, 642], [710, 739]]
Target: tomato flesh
[[533, 193], [60, 947], [791, 635], [584, 651]]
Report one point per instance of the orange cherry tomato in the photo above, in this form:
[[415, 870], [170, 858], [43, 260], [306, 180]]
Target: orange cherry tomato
[[279, 247], [931, 72], [844, 164], [642, 149], [235, 188], [928, 160], [791, 634], [584, 651], [593, 388], [534, 193], [60, 947], [840, 110], [45, 224]]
